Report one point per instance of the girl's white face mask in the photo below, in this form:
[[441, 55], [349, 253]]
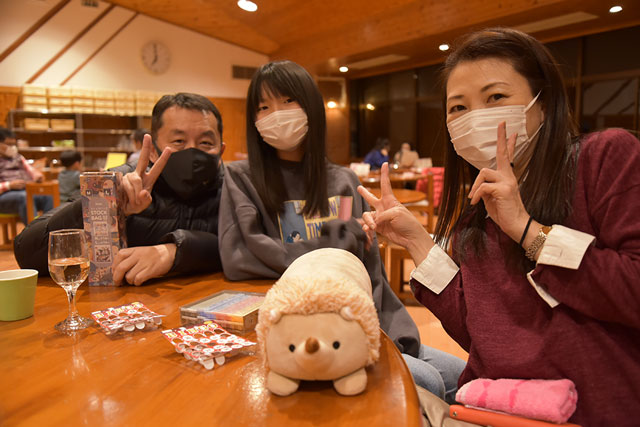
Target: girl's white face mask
[[284, 129], [475, 134]]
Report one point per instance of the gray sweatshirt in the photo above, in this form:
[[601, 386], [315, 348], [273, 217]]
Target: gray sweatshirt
[[256, 244]]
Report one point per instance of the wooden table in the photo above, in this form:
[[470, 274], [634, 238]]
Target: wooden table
[[403, 195], [138, 379], [398, 180]]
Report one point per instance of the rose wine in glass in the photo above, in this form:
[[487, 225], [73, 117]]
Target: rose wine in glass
[[69, 267]]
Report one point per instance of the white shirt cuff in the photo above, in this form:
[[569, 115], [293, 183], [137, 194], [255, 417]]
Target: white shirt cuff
[[565, 247], [546, 296], [436, 271]]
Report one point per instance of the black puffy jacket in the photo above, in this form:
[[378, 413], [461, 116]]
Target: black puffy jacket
[[192, 225]]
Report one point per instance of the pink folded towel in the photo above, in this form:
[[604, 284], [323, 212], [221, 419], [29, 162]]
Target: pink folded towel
[[549, 400]]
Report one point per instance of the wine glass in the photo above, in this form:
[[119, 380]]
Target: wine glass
[[69, 267]]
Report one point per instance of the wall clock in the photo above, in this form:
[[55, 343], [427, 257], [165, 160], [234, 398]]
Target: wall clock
[[156, 56]]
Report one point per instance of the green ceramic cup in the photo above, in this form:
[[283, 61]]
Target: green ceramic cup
[[17, 294]]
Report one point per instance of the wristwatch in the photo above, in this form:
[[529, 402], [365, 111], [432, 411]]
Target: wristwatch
[[538, 242]]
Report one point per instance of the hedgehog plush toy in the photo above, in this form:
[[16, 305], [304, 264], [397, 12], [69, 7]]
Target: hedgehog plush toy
[[318, 322]]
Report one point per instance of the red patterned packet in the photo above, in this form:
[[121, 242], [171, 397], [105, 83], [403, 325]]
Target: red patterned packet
[[206, 343], [127, 318]]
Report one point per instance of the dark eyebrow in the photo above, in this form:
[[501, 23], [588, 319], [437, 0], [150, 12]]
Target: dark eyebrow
[[209, 133], [451, 98], [484, 89], [490, 85]]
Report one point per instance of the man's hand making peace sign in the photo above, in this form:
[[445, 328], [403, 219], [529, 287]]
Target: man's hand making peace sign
[[138, 184]]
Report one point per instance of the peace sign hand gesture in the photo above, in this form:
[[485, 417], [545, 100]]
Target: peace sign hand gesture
[[138, 184], [499, 189], [394, 221]]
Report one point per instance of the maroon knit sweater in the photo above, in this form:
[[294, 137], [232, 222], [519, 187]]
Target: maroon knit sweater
[[593, 336]]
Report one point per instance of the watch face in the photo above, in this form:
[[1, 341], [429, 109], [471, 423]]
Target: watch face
[[156, 57]]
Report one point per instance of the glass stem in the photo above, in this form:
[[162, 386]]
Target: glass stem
[[71, 296]]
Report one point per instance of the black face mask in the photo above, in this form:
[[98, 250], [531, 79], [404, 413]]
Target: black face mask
[[191, 172]]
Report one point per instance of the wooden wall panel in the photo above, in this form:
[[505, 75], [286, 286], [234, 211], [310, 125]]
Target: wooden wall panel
[[8, 100], [338, 135], [234, 131]]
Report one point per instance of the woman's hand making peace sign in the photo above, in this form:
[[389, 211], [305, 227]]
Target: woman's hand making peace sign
[[394, 221], [499, 190]]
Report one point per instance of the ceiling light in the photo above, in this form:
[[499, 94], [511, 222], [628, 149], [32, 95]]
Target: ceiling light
[[443, 47], [343, 69], [615, 9], [370, 107], [247, 5], [332, 104]]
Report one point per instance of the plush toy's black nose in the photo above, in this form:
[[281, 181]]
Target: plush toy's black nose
[[312, 345]]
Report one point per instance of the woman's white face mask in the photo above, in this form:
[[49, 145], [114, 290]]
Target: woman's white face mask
[[11, 151], [474, 135], [284, 129]]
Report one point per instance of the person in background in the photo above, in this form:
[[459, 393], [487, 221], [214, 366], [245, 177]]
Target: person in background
[[137, 138], [15, 172], [406, 157], [379, 154], [544, 229], [172, 198], [69, 178], [288, 199]]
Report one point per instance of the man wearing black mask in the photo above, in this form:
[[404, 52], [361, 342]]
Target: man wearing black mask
[[172, 198]]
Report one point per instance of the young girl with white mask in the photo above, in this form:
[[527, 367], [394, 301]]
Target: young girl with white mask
[[543, 227], [289, 188]]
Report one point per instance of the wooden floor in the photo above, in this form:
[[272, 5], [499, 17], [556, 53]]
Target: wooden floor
[[431, 331]]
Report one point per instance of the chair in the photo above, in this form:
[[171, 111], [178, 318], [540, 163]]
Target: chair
[[426, 208], [9, 222], [396, 255], [41, 189]]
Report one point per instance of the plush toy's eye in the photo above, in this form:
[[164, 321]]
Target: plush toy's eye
[[292, 348], [336, 344]]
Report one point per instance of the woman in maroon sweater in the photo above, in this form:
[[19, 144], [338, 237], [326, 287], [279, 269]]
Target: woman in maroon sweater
[[544, 278]]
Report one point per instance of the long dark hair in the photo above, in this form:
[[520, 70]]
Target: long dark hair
[[286, 78], [547, 184]]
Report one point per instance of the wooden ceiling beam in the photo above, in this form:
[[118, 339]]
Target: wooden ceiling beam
[[406, 25], [95, 52], [323, 35], [209, 18], [35, 27], [73, 41]]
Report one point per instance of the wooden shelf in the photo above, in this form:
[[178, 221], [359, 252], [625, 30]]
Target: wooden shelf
[[84, 131], [80, 149], [95, 135], [66, 115]]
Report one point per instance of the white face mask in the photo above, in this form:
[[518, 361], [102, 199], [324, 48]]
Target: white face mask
[[11, 151], [475, 134], [284, 129]]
